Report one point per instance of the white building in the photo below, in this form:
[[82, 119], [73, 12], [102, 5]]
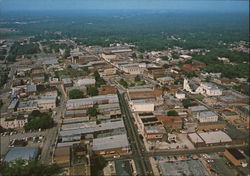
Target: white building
[[206, 116], [142, 106], [85, 82], [133, 69], [210, 89], [180, 95], [205, 88]]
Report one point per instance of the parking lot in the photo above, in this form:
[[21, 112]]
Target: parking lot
[[5, 140]]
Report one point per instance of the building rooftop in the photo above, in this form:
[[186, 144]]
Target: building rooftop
[[30, 88], [207, 114], [92, 129], [13, 104], [110, 142], [85, 81], [236, 153], [214, 137], [75, 120], [25, 153], [24, 104], [197, 108], [179, 168]]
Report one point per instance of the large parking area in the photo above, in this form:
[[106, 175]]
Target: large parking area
[[43, 139]]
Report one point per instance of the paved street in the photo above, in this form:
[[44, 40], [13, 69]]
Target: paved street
[[142, 164]]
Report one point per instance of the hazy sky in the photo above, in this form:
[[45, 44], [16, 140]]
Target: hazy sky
[[206, 5]]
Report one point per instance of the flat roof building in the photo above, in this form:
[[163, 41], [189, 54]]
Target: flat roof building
[[25, 153], [111, 144]]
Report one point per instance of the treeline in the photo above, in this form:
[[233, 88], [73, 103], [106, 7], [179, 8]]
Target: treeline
[[237, 67], [148, 30]]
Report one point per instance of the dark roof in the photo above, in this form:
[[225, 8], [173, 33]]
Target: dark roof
[[236, 153]]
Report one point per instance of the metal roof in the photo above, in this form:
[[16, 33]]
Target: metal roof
[[25, 153], [92, 129], [110, 142]]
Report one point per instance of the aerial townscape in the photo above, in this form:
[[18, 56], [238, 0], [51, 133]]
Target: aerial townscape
[[124, 92]]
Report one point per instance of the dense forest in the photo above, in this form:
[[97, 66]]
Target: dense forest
[[149, 30]]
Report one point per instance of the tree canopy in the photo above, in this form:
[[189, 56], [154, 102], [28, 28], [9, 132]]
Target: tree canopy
[[32, 168], [92, 111], [92, 91], [75, 94], [38, 120]]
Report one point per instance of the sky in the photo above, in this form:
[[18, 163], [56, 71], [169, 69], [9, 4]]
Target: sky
[[199, 5]]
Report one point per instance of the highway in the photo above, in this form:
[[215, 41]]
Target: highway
[[142, 164]]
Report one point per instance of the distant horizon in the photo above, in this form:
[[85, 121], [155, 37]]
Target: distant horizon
[[69, 5]]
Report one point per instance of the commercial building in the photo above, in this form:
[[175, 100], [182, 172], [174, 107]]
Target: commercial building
[[110, 71], [132, 69], [25, 153], [85, 82], [62, 156], [205, 88], [180, 95], [26, 106], [209, 138], [89, 102], [11, 123], [166, 80], [75, 113], [154, 133], [69, 135], [206, 116], [139, 93], [67, 82], [46, 103], [142, 106], [106, 89], [235, 157], [186, 167], [171, 122], [111, 145]]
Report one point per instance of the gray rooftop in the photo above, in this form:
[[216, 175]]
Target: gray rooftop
[[180, 168], [25, 153], [197, 108], [110, 142], [92, 129]]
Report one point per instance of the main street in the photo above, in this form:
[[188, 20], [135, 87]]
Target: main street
[[142, 164]]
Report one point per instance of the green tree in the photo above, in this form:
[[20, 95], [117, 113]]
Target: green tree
[[165, 66], [92, 111], [92, 91], [98, 163], [133, 55], [123, 83], [66, 52], [137, 78], [172, 113], [99, 81], [38, 120], [25, 168], [187, 103], [75, 94]]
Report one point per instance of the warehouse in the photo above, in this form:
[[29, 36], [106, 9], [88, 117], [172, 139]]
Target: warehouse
[[142, 106], [89, 102], [111, 144], [209, 138]]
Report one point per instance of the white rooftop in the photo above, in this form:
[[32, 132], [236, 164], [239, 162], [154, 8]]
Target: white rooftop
[[110, 142]]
